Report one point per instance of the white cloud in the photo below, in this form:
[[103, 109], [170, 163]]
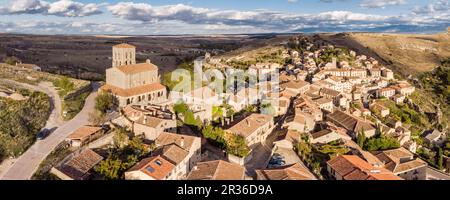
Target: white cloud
[[292, 1], [433, 8], [381, 3], [63, 8]]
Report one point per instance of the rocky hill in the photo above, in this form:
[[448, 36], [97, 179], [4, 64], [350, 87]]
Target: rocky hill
[[405, 53]]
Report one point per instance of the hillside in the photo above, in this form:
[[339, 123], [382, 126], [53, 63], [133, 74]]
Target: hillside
[[405, 53]]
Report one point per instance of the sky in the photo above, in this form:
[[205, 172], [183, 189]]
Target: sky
[[157, 17]]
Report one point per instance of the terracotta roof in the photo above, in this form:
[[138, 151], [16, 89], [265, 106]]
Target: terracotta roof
[[321, 133], [77, 166], [149, 121], [250, 124], [83, 132], [217, 170], [124, 45], [166, 138], [323, 100], [297, 84], [133, 91], [289, 172], [330, 92], [137, 68], [350, 122], [399, 160], [290, 135], [202, 93], [156, 167], [173, 153], [352, 167]]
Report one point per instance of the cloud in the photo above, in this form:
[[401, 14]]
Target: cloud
[[292, 1], [260, 18], [62, 8], [381, 3], [144, 18], [433, 8]]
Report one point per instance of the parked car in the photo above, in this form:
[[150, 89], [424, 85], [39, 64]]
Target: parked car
[[43, 134]]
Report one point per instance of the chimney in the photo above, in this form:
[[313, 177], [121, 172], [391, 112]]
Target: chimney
[[182, 142], [145, 119], [248, 122], [148, 61]]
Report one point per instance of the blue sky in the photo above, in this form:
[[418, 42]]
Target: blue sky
[[142, 17]]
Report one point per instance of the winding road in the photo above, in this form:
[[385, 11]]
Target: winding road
[[25, 166]]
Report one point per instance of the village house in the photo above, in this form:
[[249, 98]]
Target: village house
[[171, 143], [297, 87], [77, 166], [217, 170], [173, 159], [152, 168], [133, 83], [352, 124], [402, 163], [387, 73], [398, 98], [404, 88], [353, 72], [435, 137], [201, 96], [254, 128], [338, 99], [324, 103], [385, 92], [287, 172], [379, 109], [328, 135], [84, 135], [352, 167], [150, 127], [301, 121], [288, 139], [147, 121]]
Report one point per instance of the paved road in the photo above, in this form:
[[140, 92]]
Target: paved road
[[55, 118], [433, 174], [28, 163]]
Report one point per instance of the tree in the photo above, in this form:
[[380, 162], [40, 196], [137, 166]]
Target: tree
[[381, 143], [237, 146], [361, 139], [104, 102], [110, 168], [120, 138], [440, 159], [11, 60], [180, 108], [136, 145], [96, 117]]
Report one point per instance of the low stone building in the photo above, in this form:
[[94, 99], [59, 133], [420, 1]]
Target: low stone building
[[84, 135], [77, 166], [352, 167], [217, 170], [402, 163], [254, 128]]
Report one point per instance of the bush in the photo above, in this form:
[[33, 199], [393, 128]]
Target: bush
[[20, 121], [104, 102], [11, 60], [236, 145], [381, 143], [65, 85]]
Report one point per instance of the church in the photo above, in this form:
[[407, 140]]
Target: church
[[133, 83]]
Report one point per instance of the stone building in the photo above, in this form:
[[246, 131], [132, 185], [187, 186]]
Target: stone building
[[133, 83]]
